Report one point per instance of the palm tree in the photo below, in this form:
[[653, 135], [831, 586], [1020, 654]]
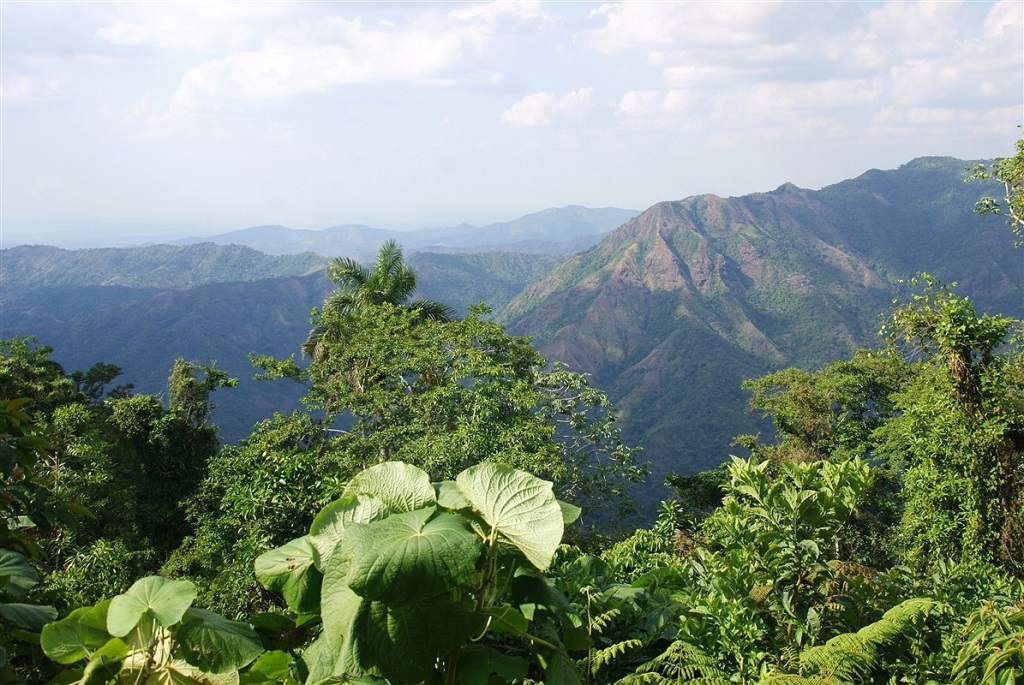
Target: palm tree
[[390, 281]]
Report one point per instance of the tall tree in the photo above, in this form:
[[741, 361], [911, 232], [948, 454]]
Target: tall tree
[[389, 281], [960, 429]]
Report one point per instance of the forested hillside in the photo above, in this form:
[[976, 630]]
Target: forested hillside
[[670, 313], [676, 308], [427, 515], [136, 308]]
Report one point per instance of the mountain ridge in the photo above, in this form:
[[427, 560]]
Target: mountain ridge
[[554, 230], [669, 313], [750, 284]]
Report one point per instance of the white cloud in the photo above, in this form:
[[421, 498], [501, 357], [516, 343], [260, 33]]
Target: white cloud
[[543, 109], [196, 26], [639, 103], [493, 13], [814, 66], [644, 25], [338, 51]]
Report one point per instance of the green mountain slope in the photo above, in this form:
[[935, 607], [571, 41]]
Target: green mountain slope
[[143, 328], [669, 313], [673, 310], [157, 266]]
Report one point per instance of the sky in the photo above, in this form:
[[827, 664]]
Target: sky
[[127, 122]]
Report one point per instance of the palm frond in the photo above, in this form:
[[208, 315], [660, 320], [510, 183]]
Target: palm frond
[[433, 310], [347, 273]]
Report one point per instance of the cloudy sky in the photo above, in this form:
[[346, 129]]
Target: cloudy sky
[[122, 121]]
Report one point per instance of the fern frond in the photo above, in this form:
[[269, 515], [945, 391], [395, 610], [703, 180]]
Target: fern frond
[[852, 656], [601, 621], [680, 663], [599, 658]]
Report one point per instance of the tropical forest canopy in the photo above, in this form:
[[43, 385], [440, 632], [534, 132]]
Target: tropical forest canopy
[[441, 509]]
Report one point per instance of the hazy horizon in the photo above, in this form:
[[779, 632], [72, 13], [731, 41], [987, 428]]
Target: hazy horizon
[[141, 122]]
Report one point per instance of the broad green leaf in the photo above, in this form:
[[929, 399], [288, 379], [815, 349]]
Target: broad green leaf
[[319, 659], [570, 512], [518, 506], [534, 592], [449, 497], [411, 556], [163, 599], [74, 637], [508, 620], [100, 671], [272, 621], [18, 575], [405, 641], [271, 667], [215, 644], [181, 673], [106, 663], [289, 569], [28, 616], [402, 487], [329, 525], [478, 662], [339, 607]]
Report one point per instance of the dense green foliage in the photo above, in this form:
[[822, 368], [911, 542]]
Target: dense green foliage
[[408, 524], [388, 384], [126, 461]]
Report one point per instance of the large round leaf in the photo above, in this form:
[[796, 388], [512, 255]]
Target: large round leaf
[[518, 506], [215, 644], [449, 497], [165, 600], [405, 641], [72, 638], [411, 556], [329, 525], [402, 487], [289, 569], [338, 608]]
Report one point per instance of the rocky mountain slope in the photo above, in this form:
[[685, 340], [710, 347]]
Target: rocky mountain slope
[[671, 312]]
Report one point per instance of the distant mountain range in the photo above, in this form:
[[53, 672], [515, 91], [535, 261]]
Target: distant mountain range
[[669, 312], [676, 308], [552, 231]]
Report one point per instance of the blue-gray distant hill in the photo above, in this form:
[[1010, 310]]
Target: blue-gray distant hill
[[552, 231], [141, 308]]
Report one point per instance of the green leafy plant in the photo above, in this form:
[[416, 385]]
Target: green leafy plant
[[1010, 172], [992, 651], [397, 557], [20, 620], [151, 634]]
